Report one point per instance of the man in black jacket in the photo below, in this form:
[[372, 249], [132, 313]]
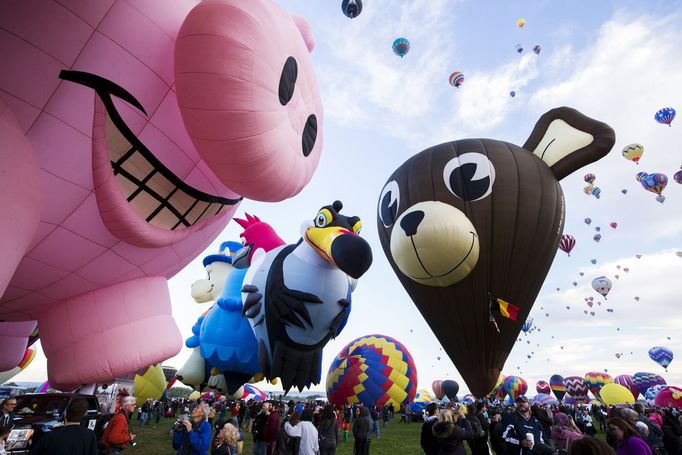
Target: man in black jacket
[[7, 413], [428, 441], [517, 426], [72, 439]]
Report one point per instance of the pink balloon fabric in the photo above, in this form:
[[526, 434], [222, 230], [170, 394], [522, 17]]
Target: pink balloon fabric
[[107, 195], [263, 87]]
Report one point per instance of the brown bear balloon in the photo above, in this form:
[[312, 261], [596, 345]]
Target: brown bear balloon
[[474, 218]]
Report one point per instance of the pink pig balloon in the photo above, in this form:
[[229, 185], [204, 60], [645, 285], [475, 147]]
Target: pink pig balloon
[[104, 192]]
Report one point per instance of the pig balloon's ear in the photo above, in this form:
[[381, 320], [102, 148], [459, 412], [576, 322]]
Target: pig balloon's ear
[[306, 32], [567, 140]]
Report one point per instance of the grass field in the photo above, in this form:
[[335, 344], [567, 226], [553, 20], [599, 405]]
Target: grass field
[[396, 439]]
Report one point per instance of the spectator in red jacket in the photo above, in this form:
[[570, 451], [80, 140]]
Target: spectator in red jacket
[[272, 429], [117, 434]]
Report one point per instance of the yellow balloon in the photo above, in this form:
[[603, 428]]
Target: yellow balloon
[[613, 393], [521, 23], [633, 152], [194, 395], [423, 396], [150, 385]]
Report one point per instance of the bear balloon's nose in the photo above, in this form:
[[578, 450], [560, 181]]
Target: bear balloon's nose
[[410, 222]]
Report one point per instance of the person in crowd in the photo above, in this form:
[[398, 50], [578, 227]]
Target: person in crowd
[[4, 433], [565, 432], [428, 440], [362, 432], [289, 445], [451, 431], [328, 431], [272, 429], [258, 429], [403, 411], [193, 437], [375, 422], [227, 441], [496, 442], [628, 440], [346, 430], [588, 424], [385, 415], [7, 415], [672, 433], [117, 436], [654, 435], [477, 416], [587, 445], [306, 431], [72, 438], [522, 432], [543, 417]]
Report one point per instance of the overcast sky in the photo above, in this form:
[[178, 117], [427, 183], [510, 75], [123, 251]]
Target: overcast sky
[[616, 61]]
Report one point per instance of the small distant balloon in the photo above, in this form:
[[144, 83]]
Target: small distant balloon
[[602, 285], [678, 176], [537, 49], [589, 178], [633, 152], [624, 191], [637, 299], [655, 182], [588, 221], [401, 47], [665, 116], [596, 192], [567, 243], [597, 238], [351, 8], [456, 79], [593, 261], [597, 229], [521, 22], [575, 283], [660, 198], [581, 273], [678, 254], [512, 93], [626, 269], [519, 48], [613, 225]]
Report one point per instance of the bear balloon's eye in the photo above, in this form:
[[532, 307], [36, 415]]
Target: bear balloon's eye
[[388, 203], [469, 176], [287, 81]]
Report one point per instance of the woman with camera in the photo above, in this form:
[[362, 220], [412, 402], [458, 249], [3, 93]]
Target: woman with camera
[[193, 438]]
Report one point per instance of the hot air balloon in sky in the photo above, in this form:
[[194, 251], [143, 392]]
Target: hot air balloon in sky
[[450, 389], [678, 176], [437, 387], [661, 355], [520, 22], [515, 386], [456, 79], [512, 93], [401, 47], [596, 380], [537, 49], [633, 152], [351, 8], [519, 48], [373, 370], [440, 199], [576, 387], [602, 285], [527, 325], [567, 243], [543, 387], [665, 116], [654, 183]]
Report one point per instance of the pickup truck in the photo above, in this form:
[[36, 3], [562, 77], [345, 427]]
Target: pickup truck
[[39, 413]]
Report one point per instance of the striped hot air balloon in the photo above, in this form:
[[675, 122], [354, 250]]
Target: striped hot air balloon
[[456, 79], [633, 152], [515, 386], [543, 387], [372, 370], [437, 388], [644, 380], [626, 381], [556, 383], [567, 243], [576, 387], [596, 380], [252, 392]]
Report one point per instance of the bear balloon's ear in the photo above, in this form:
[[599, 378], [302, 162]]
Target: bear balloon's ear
[[306, 32], [567, 140]]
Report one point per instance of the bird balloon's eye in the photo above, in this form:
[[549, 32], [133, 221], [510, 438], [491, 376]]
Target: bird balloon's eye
[[389, 202], [469, 176], [323, 218], [357, 227]]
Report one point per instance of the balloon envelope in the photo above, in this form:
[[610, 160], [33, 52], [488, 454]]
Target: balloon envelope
[[633, 152], [567, 243], [437, 388], [665, 115], [543, 399], [669, 396], [543, 387], [150, 385], [576, 387], [351, 8], [423, 396], [626, 381], [515, 386], [616, 394], [661, 355], [450, 389], [373, 370], [644, 380], [401, 47], [602, 285], [556, 383], [596, 380], [456, 79]]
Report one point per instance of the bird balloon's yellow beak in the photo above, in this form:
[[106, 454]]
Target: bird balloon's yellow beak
[[341, 247]]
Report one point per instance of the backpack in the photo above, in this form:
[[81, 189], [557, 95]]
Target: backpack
[[476, 427]]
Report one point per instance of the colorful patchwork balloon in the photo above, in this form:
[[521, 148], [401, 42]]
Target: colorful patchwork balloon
[[644, 380], [596, 380], [515, 386], [401, 47], [252, 392], [456, 79], [633, 152], [373, 370]]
